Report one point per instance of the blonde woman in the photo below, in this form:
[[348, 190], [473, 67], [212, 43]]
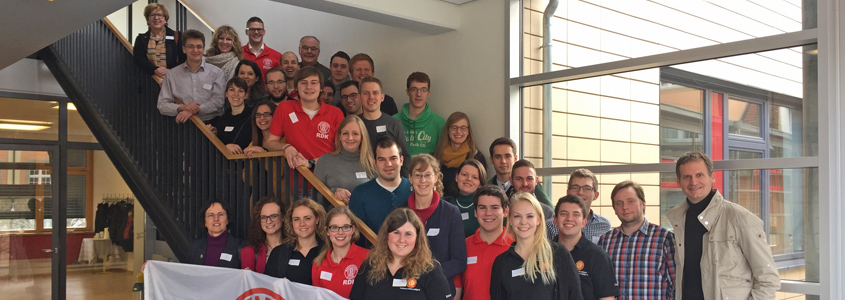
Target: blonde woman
[[351, 163], [303, 242], [400, 266], [160, 48], [225, 51], [337, 265], [532, 268], [442, 220]]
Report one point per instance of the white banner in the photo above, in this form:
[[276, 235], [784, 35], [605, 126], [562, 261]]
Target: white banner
[[172, 281]]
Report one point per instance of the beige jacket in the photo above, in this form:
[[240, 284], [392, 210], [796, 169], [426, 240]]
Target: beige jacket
[[736, 259]]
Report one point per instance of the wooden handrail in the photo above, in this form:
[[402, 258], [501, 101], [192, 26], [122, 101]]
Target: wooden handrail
[[306, 173]]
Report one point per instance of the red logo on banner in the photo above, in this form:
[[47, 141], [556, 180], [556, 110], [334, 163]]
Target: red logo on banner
[[260, 294]]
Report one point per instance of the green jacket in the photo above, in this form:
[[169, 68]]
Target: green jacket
[[423, 133]]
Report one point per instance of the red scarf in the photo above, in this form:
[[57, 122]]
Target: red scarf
[[424, 213]]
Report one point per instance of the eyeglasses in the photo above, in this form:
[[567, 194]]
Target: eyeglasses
[[255, 30], [585, 188], [218, 215], [279, 82], [335, 228], [414, 90], [154, 16], [456, 128], [272, 217], [306, 48], [353, 96], [427, 176], [266, 115]]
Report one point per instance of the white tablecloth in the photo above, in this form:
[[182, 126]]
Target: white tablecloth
[[93, 248]]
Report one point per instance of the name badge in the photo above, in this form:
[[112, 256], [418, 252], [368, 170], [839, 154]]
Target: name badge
[[518, 272], [465, 216], [361, 175], [433, 232], [225, 256], [206, 86], [169, 37], [325, 275], [472, 260], [381, 128], [293, 118], [293, 262], [229, 128], [399, 282]]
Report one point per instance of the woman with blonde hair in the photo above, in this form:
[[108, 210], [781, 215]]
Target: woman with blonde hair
[[160, 48], [225, 51], [303, 242], [442, 220], [351, 163], [456, 145], [335, 268], [265, 233], [400, 266], [532, 268]]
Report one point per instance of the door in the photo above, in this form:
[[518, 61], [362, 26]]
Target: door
[[31, 252]]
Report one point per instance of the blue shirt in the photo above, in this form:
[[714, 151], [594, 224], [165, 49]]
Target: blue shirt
[[371, 203]]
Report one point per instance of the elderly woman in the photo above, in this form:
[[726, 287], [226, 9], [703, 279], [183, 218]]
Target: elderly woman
[[533, 268], [248, 70], [470, 178], [303, 242], [336, 266], [225, 51], [265, 233], [351, 163], [233, 126], [442, 220], [217, 248], [160, 48], [456, 145], [261, 116], [401, 266]]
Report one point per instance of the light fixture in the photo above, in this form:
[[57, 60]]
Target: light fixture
[[70, 106], [7, 124]]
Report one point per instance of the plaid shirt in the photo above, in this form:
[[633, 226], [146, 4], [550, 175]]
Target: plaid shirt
[[644, 261]]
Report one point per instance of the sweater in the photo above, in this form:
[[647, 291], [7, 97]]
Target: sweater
[[387, 125], [234, 129], [173, 46], [372, 203], [341, 171], [197, 250], [467, 208], [421, 133]]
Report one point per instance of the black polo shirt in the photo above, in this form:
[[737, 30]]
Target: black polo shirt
[[285, 262], [598, 279], [429, 286], [508, 281]]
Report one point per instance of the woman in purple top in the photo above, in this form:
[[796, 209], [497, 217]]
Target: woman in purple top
[[218, 247]]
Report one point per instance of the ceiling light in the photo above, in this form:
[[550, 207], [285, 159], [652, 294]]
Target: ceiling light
[[7, 124], [70, 106]]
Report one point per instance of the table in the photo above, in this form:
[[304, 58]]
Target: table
[[92, 248]]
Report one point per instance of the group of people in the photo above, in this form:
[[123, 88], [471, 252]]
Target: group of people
[[419, 180]]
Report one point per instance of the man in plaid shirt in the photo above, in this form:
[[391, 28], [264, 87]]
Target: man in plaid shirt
[[643, 253]]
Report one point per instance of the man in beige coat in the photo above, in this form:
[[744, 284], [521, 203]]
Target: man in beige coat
[[721, 249]]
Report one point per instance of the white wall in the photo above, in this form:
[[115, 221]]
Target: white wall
[[467, 66]]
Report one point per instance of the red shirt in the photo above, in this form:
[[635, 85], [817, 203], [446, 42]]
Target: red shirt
[[311, 137], [480, 257], [253, 261], [339, 277], [268, 58]]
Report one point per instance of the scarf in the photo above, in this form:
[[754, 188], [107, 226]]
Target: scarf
[[424, 213], [225, 61], [454, 159]]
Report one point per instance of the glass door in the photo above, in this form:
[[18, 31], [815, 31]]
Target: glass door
[[29, 251]]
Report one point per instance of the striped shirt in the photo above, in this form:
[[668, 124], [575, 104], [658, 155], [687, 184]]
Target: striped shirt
[[644, 261]]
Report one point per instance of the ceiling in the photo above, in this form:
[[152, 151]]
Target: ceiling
[[29, 25]]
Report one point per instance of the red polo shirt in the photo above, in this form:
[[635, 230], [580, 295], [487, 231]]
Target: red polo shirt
[[339, 277], [480, 257], [268, 58], [311, 137]]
